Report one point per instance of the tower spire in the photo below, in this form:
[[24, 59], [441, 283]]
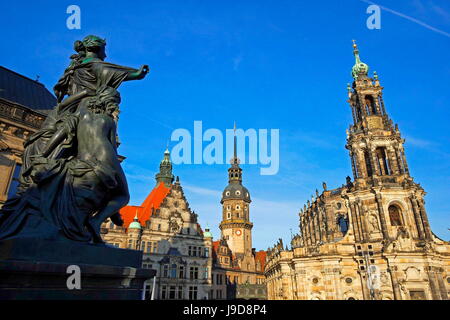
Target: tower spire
[[359, 68], [235, 160], [235, 172]]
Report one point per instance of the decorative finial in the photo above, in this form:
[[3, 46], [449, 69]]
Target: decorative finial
[[375, 75], [360, 68], [136, 215]]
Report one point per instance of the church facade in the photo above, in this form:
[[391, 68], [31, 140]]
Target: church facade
[[370, 238], [166, 230]]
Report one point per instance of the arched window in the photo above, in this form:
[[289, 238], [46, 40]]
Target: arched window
[[395, 215], [382, 160], [370, 105]]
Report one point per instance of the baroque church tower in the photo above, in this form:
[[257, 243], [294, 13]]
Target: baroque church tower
[[370, 238], [378, 158], [236, 227]]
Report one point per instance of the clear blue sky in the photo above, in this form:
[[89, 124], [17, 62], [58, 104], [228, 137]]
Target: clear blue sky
[[266, 64]]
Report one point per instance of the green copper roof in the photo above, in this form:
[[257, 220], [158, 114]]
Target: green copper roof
[[165, 170], [135, 224], [207, 234], [360, 68]]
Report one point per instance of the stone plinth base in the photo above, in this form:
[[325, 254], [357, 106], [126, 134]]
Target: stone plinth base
[[38, 270]]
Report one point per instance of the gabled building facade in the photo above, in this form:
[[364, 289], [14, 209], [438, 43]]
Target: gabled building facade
[[369, 239], [173, 243]]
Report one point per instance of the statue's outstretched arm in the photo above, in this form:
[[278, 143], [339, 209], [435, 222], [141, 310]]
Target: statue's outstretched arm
[[138, 75]]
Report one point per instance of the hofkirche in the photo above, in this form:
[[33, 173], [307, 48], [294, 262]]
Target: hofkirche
[[370, 238]]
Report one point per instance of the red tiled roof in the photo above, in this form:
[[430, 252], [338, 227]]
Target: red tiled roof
[[144, 211], [261, 257], [215, 245]]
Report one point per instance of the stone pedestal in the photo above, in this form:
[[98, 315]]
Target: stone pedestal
[[34, 269]]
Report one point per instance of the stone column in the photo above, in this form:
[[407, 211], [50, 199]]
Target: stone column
[[352, 214], [309, 230], [426, 224], [354, 114], [398, 157], [382, 216], [382, 105], [417, 218], [392, 161], [356, 227], [352, 160], [319, 219], [376, 170], [395, 286], [361, 216], [440, 281], [313, 226], [433, 283], [405, 164], [365, 290]]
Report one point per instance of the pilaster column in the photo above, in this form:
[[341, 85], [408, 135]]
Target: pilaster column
[[440, 280], [352, 159], [426, 224], [382, 104], [417, 218], [405, 164], [355, 227], [364, 287], [395, 286], [399, 158], [382, 216], [374, 162], [365, 235], [434, 288], [393, 165]]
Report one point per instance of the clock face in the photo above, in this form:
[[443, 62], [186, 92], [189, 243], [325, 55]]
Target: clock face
[[238, 232]]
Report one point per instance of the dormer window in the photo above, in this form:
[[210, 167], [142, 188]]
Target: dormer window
[[238, 192], [227, 193]]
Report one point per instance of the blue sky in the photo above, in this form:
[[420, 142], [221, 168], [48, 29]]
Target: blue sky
[[266, 64]]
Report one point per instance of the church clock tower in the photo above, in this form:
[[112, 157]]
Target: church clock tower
[[236, 227]]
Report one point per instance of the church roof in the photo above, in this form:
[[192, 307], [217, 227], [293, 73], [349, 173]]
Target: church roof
[[19, 89], [145, 210]]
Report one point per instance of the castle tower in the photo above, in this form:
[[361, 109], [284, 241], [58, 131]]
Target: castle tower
[[236, 227], [165, 170]]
